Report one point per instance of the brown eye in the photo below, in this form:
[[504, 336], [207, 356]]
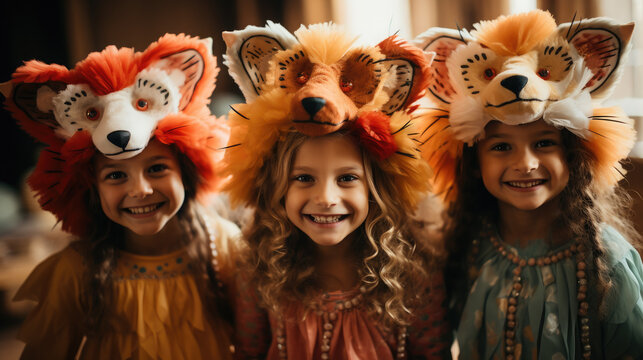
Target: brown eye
[[346, 86], [142, 104], [302, 78], [489, 73], [544, 73], [92, 114]]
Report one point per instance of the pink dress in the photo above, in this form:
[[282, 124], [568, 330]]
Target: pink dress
[[354, 334]]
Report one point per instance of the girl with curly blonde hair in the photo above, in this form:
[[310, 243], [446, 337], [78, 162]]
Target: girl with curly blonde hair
[[329, 269]]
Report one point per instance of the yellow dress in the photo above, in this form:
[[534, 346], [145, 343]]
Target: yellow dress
[[157, 312]]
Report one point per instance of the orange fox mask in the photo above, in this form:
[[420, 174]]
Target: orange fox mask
[[317, 82], [114, 101]]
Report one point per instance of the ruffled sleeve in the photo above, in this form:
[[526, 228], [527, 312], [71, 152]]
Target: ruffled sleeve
[[52, 329], [623, 325]]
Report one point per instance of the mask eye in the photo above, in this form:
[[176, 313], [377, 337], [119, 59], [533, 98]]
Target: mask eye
[[346, 86], [141, 104], [544, 74], [489, 73], [302, 78], [92, 114]]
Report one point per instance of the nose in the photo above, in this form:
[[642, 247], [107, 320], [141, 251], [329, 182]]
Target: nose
[[119, 138], [313, 104], [327, 195], [526, 162], [514, 83], [140, 187]]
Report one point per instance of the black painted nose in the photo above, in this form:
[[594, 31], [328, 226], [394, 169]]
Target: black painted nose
[[515, 83], [119, 138], [313, 104]]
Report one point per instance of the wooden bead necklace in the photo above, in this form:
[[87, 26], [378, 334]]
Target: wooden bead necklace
[[576, 250], [329, 318]]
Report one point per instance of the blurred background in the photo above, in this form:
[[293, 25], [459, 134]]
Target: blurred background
[[65, 31]]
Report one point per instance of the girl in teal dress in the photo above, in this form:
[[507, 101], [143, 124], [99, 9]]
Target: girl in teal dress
[[542, 255]]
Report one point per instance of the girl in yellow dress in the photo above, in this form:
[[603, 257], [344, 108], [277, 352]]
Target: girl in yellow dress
[[130, 146]]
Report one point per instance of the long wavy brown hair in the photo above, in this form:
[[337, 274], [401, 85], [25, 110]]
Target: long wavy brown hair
[[100, 249], [584, 210], [280, 257]]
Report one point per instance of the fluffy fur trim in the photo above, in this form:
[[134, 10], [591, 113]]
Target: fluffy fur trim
[[324, 43], [254, 129], [373, 131], [515, 34], [612, 138], [441, 149], [405, 166]]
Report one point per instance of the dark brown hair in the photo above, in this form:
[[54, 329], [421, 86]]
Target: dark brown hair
[[584, 209], [106, 237]]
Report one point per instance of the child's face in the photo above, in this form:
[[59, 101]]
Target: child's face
[[523, 166], [141, 193], [327, 196]]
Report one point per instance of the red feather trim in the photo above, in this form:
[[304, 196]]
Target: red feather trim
[[374, 132]]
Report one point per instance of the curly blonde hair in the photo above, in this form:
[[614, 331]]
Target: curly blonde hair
[[279, 256]]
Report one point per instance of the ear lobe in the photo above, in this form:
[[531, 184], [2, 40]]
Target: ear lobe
[[249, 52], [442, 42], [603, 44]]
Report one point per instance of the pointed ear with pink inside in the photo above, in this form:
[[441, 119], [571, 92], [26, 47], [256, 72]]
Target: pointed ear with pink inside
[[604, 46], [443, 43]]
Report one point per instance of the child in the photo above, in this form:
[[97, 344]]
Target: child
[[131, 145], [540, 262], [331, 271]]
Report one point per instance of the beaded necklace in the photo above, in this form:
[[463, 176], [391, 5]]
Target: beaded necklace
[[576, 250], [215, 255], [329, 318]]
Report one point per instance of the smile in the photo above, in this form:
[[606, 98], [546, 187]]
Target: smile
[[330, 219], [525, 184], [511, 102], [140, 210], [123, 151]]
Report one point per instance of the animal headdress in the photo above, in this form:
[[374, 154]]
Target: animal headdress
[[522, 68], [318, 83], [114, 102]]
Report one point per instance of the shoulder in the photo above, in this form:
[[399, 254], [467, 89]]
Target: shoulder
[[626, 273], [61, 273], [617, 247]]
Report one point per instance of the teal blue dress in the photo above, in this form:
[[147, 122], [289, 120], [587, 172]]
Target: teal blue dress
[[546, 314]]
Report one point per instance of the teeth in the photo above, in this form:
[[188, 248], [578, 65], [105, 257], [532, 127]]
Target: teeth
[[527, 184], [326, 219], [143, 209]]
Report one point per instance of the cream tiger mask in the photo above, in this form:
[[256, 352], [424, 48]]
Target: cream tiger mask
[[521, 68]]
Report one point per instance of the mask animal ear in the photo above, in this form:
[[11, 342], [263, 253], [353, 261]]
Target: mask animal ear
[[412, 73], [190, 64], [29, 98], [443, 42], [249, 52], [603, 44]]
